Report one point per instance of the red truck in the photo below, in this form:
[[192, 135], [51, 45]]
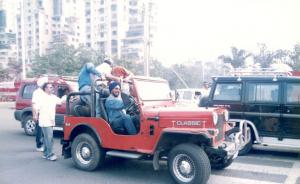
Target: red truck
[[193, 140]]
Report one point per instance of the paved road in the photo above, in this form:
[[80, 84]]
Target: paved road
[[20, 163]]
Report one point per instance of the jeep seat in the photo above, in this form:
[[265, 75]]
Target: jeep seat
[[78, 108]]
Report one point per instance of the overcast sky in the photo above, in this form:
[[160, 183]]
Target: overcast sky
[[205, 29]]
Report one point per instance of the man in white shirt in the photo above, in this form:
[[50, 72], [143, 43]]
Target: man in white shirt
[[47, 118], [106, 68], [36, 98]]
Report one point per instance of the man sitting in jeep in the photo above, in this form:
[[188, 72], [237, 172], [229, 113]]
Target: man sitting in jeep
[[116, 111]]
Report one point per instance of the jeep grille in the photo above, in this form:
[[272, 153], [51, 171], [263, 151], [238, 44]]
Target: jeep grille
[[220, 127]]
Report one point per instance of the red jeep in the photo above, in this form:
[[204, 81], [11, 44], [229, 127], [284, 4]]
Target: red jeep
[[192, 139], [23, 112]]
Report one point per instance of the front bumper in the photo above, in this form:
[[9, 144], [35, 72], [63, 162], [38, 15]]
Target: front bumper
[[229, 148], [18, 115]]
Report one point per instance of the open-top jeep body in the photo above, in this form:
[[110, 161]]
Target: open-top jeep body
[[192, 139]]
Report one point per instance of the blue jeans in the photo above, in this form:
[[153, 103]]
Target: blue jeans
[[48, 140], [87, 98], [38, 135], [124, 121]]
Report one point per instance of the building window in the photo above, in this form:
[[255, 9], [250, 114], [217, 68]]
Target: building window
[[114, 32], [113, 7], [29, 18], [101, 10], [114, 24], [114, 42], [114, 16]]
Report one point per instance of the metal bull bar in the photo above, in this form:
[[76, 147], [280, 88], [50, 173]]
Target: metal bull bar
[[244, 130]]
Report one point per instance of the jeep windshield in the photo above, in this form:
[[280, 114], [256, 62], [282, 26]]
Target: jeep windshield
[[149, 90]]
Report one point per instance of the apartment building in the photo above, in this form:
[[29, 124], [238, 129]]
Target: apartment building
[[139, 36], [115, 28], [8, 13]]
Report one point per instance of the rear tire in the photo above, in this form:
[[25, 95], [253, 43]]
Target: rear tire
[[29, 125], [86, 153], [189, 164]]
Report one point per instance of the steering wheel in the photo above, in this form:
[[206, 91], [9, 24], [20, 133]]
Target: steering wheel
[[129, 103]]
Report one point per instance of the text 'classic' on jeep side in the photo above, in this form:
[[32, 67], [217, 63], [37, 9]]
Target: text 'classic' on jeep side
[[192, 140]]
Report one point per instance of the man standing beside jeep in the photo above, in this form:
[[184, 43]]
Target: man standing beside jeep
[[47, 118], [36, 98]]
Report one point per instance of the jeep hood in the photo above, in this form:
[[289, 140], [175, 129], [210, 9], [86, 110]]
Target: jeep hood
[[167, 116]]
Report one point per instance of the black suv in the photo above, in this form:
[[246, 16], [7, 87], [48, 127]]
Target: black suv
[[268, 105]]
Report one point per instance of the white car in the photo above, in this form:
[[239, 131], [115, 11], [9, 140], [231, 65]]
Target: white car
[[188, 96]]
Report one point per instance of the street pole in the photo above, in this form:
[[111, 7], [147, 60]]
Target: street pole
[[23, 41], [147, 38]]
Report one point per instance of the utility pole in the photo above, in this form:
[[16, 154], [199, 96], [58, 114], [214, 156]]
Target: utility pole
[[147, 19], [23, 41]]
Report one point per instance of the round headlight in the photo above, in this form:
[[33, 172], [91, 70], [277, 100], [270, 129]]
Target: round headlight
[[226, 115], [215, 118]]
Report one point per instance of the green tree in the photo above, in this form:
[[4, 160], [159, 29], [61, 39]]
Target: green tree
[[4, 74], [296, 57], [14, 68], [237, 58], [64, 60]]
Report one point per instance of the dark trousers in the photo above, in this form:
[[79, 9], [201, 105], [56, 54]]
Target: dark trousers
[[126, 122], [38, 135]]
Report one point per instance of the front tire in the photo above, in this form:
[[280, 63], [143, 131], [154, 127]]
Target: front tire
[[222, 164], [86, 153], [189, 164], [29, 125]]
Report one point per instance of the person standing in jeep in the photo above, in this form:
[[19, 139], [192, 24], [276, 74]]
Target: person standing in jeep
[[85, 78], [36, 98]]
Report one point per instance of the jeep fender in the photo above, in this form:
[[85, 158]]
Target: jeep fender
[[243, 123], [171, 138], [78, 129], [84, 128]]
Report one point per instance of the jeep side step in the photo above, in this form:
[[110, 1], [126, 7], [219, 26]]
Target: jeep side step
[[124, 154]]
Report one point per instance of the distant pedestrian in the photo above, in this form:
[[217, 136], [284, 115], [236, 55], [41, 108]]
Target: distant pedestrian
[[205, 89], [36, 98], [47, 118]]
